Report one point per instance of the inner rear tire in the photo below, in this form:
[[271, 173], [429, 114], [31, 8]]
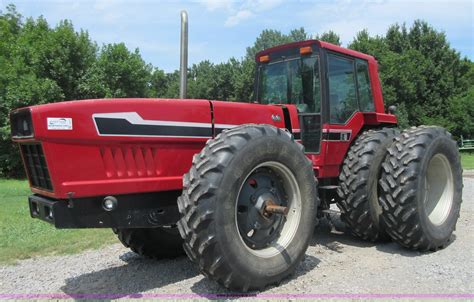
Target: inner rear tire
[[359, 190], [157, 243], [422, 188], [224, 229]]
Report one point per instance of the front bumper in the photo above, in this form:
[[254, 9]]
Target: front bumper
[[132, 211]]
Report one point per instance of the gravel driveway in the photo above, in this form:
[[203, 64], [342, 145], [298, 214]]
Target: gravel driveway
[[335, 263]]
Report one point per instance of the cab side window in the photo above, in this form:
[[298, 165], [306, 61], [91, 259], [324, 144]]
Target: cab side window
[[342, 89], [311, 84], [366, 100]]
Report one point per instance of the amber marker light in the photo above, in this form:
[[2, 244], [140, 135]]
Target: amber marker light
[[264, 59], [306, 50]]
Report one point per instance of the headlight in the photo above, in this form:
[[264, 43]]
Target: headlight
[[21, 124]]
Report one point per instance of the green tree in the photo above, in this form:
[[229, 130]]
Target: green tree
[[243, 80], [365, 43], [69, 55], [298, 34], [172, 89], [461, 113], [158, 83], [117, 72], [39, 65], [420, 73], [330, 37], [269, 38], [201, 81]]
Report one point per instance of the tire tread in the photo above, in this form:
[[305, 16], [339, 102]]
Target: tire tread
[[399, 183], [353, 194]]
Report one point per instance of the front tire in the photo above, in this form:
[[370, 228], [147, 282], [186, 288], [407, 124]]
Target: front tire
[[231, 180], [157, 243], [422, 188]]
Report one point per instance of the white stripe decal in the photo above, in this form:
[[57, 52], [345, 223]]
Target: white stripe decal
[[135, 119], [336, 131]]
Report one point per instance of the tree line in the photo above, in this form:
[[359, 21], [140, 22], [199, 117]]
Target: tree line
[[428, 80]]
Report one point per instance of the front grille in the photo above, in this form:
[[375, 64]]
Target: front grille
[[36, 167], [21, 124]]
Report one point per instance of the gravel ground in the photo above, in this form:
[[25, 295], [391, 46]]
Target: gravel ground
[[335, 263]]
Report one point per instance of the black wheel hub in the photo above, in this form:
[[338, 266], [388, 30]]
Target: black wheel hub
[[259, 228]]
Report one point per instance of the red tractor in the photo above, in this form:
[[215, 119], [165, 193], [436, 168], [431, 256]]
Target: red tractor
[[239, 186]]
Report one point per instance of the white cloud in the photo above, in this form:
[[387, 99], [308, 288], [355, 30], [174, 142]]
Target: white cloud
[[240, 11], [213, 5], [262, 5], [348, 17], [238, 17], [107, 10]]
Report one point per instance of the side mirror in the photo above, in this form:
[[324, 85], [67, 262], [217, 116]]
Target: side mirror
[[392, 109]]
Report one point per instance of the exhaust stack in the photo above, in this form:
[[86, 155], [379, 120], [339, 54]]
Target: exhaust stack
[[183, 64]]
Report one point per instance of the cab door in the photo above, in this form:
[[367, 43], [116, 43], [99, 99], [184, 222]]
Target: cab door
[[307, 89], [348, 94], [295, 80]]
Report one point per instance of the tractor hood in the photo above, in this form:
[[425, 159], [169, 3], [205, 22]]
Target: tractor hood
[[122, 146], [111, 118], [136, 119]]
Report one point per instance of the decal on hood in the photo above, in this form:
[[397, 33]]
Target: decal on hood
[[59, 123], [132, 124]]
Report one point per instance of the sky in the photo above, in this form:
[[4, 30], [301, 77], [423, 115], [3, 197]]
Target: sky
[[221, 29]]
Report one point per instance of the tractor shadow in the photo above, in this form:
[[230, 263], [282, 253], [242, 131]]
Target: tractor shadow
[[205, 286], [138, 275], [332, 234]]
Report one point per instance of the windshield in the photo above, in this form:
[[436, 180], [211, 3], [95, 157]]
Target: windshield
[[293, 81]]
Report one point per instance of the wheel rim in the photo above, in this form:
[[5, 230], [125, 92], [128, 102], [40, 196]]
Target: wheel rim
[[266, 235], [439, 189]]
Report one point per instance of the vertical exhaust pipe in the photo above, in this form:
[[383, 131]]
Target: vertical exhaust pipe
[[183, 64]]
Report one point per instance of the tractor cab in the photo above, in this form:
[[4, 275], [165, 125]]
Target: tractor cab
[[328, 84]]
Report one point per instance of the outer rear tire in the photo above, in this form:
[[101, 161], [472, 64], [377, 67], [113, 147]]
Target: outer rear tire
[[359, 190], [155, 243], [210, 212], [422, 188]]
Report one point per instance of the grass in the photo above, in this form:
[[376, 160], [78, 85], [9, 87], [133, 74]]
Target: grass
[[467, 160], [22, 237]]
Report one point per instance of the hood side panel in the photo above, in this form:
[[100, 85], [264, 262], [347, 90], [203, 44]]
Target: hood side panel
[[113, 147]]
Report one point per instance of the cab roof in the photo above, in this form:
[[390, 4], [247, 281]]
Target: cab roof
[[320, 44]]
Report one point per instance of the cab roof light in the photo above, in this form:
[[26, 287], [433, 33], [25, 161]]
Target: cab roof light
[[306, 50], [264, 59]]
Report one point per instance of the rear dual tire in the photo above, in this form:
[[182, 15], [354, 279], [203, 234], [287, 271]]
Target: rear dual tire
[[359, 190], [422, 188]]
